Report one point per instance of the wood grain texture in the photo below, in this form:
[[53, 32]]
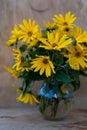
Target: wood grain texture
[[31, 119], [13, 12]]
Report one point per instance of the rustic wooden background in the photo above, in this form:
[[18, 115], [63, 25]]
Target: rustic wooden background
[[13, 12]]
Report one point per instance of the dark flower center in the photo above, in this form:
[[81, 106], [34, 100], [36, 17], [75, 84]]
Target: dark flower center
[[78, 54], [45, 61], [54, 44], [65, 23], [66, 29], [30, 33]]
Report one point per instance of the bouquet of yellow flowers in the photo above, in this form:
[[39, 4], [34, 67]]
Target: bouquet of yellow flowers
[[56, 55]]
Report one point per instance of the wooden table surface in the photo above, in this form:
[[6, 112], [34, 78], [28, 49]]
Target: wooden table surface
[[31, 119]]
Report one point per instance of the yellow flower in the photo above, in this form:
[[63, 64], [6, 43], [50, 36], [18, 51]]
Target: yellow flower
[[54, 41], [77, 57], [20, 64], [13, 72], [28, 98], [32, 43], [79, 35], [29, 30], [65, 22], [18, 59], [49, 25], [43, 64], [17, 88], [14, 37]]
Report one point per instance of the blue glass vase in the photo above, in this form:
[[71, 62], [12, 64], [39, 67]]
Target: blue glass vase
[[53, 104]]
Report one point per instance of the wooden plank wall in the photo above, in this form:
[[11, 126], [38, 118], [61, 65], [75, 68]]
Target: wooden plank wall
[[13, 12]]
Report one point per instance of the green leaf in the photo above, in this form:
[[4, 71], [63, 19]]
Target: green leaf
[[26, 86], [58, 59], [61, 76], [75, 76], [33, 76], [76, 85], [23, 47]]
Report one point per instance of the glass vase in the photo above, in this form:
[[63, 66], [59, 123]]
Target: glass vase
[[53, 106]]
